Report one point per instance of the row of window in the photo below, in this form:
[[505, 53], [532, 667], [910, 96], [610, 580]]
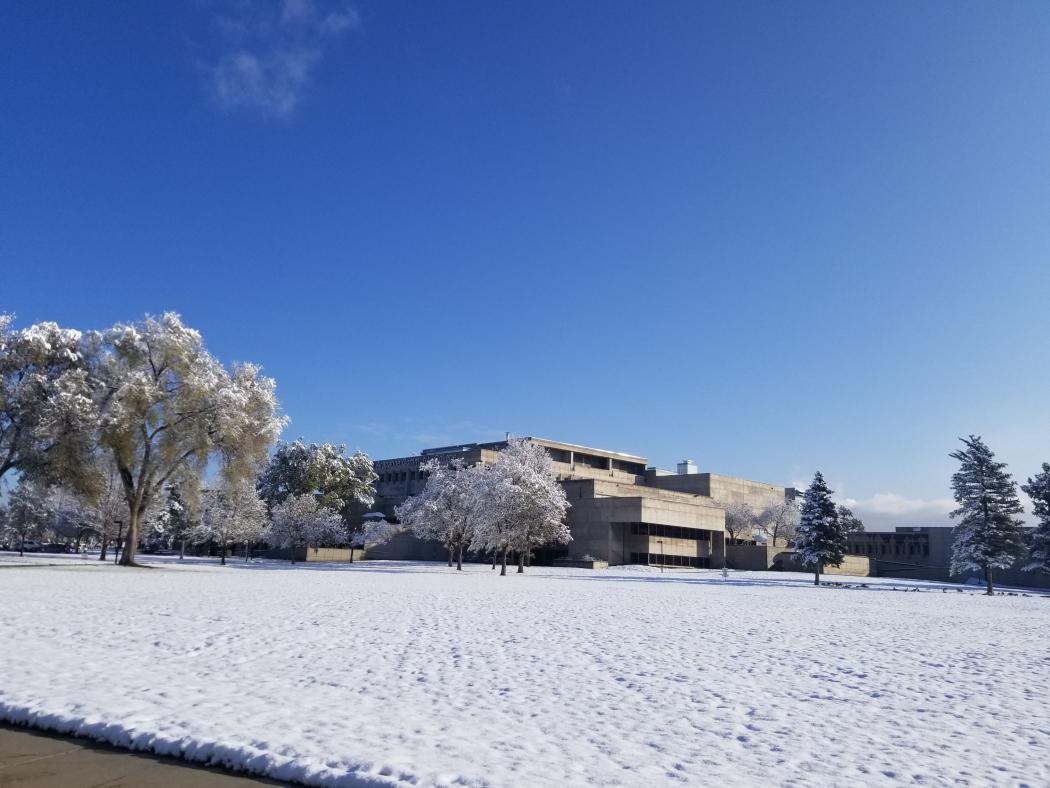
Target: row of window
[[670, 560], [403, 476], [913, 548], [670, 531]]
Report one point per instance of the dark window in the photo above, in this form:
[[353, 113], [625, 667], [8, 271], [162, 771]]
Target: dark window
[[558, 455]]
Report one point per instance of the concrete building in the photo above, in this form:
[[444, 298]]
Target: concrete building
[[622, 511], [925, 553]]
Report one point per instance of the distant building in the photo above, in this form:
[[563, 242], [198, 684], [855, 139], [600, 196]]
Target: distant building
[[925, 553], [622, 510]]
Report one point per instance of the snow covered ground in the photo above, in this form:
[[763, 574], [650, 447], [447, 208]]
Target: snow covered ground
[[390, 673]]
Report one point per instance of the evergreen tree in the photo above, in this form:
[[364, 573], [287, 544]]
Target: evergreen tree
[[1038, 489], [989, 535], [851, 524], [820, 539]]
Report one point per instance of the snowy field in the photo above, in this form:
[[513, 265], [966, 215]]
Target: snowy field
[[413, 674]]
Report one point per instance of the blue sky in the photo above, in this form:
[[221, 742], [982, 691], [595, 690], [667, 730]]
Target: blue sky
[[772, 237]]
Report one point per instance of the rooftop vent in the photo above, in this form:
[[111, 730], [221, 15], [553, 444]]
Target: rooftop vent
[[686, 467]]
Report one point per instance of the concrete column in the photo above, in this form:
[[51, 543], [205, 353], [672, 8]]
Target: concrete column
[[608, 464]]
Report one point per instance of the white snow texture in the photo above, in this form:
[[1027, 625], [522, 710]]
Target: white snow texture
[[414, 674]]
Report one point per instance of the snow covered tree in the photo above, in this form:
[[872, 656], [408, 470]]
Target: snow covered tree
[[819, 540], [1038, 489], [28, 513], [168, 407], [176, 520], [300, 522], [232, 514], [851, 524], [47, 414], [778, 522], [989, 534], [444, 511], [519, 503], [70, 524], [741, 522], [344, 484], [377, 530]]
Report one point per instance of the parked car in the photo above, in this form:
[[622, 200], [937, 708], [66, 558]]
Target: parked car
[[54, 547], [29, 546]]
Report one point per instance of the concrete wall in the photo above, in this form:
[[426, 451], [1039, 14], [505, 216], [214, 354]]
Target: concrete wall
[[334, 554], [859, 565], [760, 557], [406, 547], [721, 489], [851, 565], [752, 557]]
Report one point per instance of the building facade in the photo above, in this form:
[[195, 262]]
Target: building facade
[[925, 553], [622, 510]]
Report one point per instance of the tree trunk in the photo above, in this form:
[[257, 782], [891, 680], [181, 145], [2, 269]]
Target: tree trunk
[[459, 558], [22, 545], [105, 544], [493, 559], [449, 555], [131, 541], [521, 562], [222, 555], [182, 548], [503, 568], [988, 581], [351, 552], [246, 546], [816, 575], [528, 558]]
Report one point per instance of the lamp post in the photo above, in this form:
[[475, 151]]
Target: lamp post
[[661, 543], [116, 547]]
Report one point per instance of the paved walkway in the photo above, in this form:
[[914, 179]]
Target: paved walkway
[[33, 759]]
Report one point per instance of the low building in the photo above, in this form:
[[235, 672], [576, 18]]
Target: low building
[[925, 553], [622, 511]]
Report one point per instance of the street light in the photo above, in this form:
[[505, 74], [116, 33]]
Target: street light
[[116, 547]]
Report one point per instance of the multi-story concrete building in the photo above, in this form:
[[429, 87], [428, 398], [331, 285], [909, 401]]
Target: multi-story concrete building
[[622, 510]]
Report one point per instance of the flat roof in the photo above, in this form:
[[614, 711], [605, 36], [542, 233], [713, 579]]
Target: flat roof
[[464, 447], [588, 449]]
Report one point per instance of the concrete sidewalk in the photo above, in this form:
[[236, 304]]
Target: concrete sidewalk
[[34, 759]]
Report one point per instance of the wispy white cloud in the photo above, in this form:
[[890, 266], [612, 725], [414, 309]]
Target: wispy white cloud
[[885, 511], [267, 51]]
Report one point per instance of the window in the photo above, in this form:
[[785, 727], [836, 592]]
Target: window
[[558, 455]]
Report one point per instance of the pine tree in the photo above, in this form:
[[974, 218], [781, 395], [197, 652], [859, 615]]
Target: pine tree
[[851, 524], [820, 539], [989, 535], [1038, 489]]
